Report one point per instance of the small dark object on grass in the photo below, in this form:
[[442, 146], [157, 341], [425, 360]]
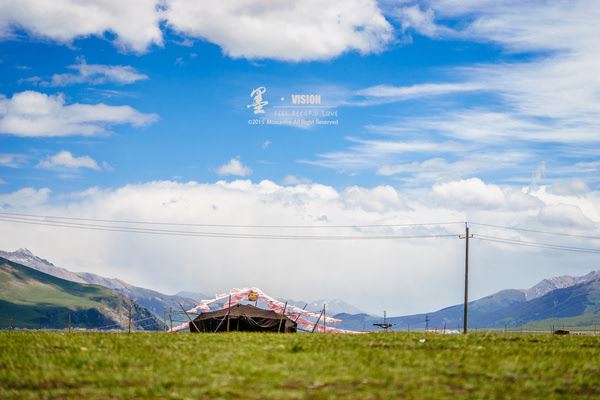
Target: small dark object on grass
[[561, 332], [296, 348]]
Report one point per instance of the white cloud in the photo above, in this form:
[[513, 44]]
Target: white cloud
[[291, 180], [33, 113], [371, 154], [24, 198], [12, 160], [397, 275], [96, 74], [572, 187], [135, 24], [561, 215], [387, 93], [422, 21], [291, 31], [64, 159], [234, 167], [473, 192]]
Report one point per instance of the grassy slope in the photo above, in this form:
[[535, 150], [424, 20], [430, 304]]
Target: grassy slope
[[32, 298], [257, 366]]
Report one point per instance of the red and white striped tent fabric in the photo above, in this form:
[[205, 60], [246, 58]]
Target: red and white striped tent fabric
[[304, 318]]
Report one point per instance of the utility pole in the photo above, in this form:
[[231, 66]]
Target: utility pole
[[426, 323], [466, 306], [170, 318]]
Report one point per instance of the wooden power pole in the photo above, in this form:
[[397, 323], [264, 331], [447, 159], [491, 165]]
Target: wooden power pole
[[466, 305]]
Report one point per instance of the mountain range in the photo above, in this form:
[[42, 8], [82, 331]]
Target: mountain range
[[33, 299], [564, 300]]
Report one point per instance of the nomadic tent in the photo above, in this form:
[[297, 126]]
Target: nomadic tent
[[242, 317], [249, 318]]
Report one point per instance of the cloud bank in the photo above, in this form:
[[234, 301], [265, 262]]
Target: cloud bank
[[401, 276]]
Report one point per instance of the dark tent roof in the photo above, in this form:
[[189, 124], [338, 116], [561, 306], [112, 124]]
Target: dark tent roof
[[242, 317]]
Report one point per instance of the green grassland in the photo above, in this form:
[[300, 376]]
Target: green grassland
[[45, 365]]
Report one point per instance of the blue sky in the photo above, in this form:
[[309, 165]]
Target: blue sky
[[199, 94], [479, 110]]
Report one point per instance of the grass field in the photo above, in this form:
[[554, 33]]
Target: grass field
[[89, 366]]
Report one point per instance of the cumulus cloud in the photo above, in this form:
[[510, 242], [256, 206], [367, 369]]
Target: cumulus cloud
[[64, 159], [291, 31], [401, 275], [136, 25], [473, 192], [234, 167], [96, 74], [33, 113]]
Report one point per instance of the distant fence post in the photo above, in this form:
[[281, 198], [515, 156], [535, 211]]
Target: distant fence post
[[129, 325]]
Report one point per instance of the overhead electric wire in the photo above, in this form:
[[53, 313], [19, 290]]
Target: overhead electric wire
[[227, 225], [65, 222], [544, 245], [97, 227], [514, 228]]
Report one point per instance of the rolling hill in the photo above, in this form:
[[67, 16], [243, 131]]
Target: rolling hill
[[34, 299], [154, 301]]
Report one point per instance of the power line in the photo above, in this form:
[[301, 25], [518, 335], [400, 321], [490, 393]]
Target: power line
[[212, 234], [544, 245], [54, 217], [514, 228]]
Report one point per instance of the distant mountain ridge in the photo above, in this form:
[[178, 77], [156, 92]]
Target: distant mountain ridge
[[27, 258], [34, 299], [154, 301], [559, 282], [332, 306], [572, 300]]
